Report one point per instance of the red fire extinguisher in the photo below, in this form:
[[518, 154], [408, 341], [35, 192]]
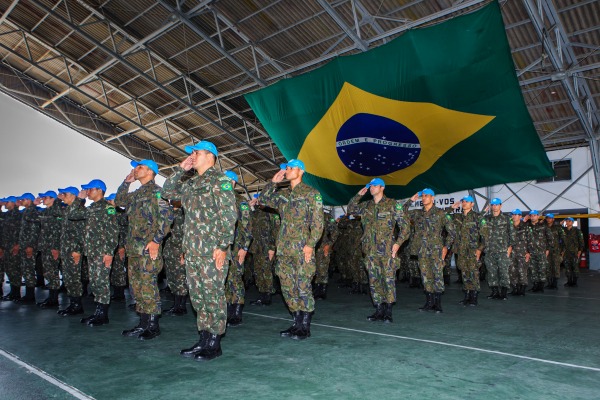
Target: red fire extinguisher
[[583, 260]]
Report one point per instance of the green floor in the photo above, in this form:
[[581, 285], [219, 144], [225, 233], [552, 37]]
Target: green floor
[[541, 346]]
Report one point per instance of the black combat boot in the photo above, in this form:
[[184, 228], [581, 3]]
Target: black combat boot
[[100, 316], [118, 293], [404, 277], [199, 345], [437, 303], [553, 283], [176, 302], [569, 282], [87, 319], [502, 295], [211, 350], [236, 315], [29, 297], [303, 330], [292, 329], [522, 290], [541, 287], [447, 280], [264, 299], [182, 309], [494, 294], [415, 282], [574, 281], [474, 295], [15, 293], [139, 328], [73, 308], [152, 329], [467, 299], [84, 286], [387, 313], [514, 291], [378, 314], [51, 301], [428, 302], [323, 291]]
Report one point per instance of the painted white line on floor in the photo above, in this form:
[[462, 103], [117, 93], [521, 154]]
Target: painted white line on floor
[[47, 377], [442, 344]]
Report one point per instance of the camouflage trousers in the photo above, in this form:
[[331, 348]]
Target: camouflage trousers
[[413, 266], [382, 278], [554, 260], [518, 271], [85, 269], [497, 265], [50, 266], [72, 275], [356, 267], [207, 293], [468, 266], [571, 265], [12, 267], [432, 271], [176, 275], [2, 268], [404, 263], [448, 264], [538, 264], [143, 276], [235, 292], [296, 277], [322, 272], [28, 268], [99, 279], [263, 269], [118, 273]]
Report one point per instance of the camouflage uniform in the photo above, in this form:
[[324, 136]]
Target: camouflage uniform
[[413, 259], [301, 211], [469, 239], [354, 258], [428, 238], [172, 252], [234, 284], [210, 210], [573, 244], [118, 272], [341, 257], [28, 237], [499, 237], [264, 231], [557, 248], [51, 220], [10, 238], [518, 268], [149, 219], [71, 241], [330, 235], [384, 226], [540, 243]]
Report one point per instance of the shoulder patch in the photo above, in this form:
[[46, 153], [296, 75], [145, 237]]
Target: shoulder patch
[[111, 210], [483, 222], [318, 197], [398, 206], [449, 217], [244, 206], [226, 186], [157, 195], [224, 178]]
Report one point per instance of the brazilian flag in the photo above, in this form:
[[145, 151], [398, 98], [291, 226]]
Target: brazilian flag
[[437, 107]]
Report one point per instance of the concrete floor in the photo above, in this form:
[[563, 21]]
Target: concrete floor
[[541, 346]]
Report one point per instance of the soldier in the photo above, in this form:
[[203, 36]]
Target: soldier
[[430, 223], [499, 239], [149, 219], [100, 241], [341, 250], [71, 248], [323, 256], [49, 244], [28, 241], [210, 215], [118, 271], [301, 211], [573, 249], [235, 292], [2, 203], [264, 232], [385, 229], [521, 254], [175, 262], [10, 247], [354, 258], [557, 248], [413, 247], [468, 247], [540, 248]]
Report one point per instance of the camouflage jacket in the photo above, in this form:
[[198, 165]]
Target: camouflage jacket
[[10, 229], [541, 238], [101, 233], [330, 232], [173, 242], [72, 229], [428, 230], [500, 233], [573, 241], [523, 240], [243, 226], [383, 223], [51, 222], [558, 239], [123, 223], [301, 211], [30, 228], [149, 216], [263, 231], [210, 211], [469, 232]]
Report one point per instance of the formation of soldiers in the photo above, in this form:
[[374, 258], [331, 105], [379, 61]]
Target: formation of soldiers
[[211, 242]]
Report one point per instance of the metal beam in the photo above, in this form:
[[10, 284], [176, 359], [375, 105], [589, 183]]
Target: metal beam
[[8, 11], [558, 196], [354, 36]]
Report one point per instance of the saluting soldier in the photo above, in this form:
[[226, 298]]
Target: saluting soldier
[[49, 244], [301, 211]]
